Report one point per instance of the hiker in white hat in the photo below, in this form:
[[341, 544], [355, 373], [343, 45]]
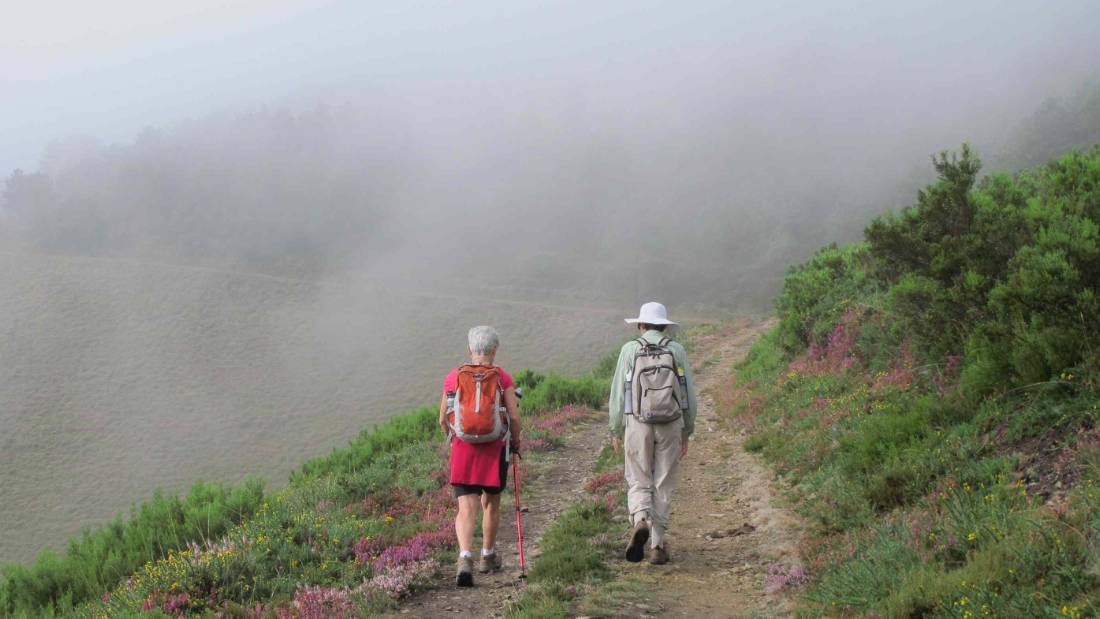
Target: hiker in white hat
[[652, 407]]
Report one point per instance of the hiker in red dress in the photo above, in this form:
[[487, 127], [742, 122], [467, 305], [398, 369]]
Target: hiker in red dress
[[479, 393]]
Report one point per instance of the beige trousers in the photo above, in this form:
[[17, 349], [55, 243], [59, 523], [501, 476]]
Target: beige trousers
[[652, 459]]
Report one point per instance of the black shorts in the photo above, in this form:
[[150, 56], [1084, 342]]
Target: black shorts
[[465, 489]]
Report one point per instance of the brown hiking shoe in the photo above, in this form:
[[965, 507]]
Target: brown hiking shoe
[[659, 556], [464, 572], [489, 563], [636, 550]]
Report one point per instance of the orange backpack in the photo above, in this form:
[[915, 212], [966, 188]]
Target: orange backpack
[[478, 413]]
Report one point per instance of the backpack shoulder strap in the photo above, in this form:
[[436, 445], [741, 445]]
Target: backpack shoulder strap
[[663, 345]]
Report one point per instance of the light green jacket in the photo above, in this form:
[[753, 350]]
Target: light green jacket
[[626, 365]]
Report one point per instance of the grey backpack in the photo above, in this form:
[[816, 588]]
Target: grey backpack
[[658, 392]]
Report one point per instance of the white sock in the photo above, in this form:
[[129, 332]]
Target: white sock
[[465, 554], [488, 553]]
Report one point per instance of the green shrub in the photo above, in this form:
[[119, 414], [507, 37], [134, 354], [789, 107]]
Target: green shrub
[[764, 360], [528, 379], [933, 319], [100, 558], [554, 391], [931, 238], [987, 366], [1012, 263], [815, 294], [418, 425], [880, 438]]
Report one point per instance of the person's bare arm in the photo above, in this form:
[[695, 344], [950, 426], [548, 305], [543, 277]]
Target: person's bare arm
[[512, 405], [443, 416]]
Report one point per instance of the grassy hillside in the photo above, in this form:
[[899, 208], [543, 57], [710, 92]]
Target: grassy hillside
[[350, 533], [118, 377], [932, 396]]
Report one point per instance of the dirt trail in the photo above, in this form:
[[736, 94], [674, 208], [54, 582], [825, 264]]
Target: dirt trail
[[718, 564], [556, 482]]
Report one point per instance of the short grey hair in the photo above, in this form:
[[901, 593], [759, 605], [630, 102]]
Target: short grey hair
[[483, 340]]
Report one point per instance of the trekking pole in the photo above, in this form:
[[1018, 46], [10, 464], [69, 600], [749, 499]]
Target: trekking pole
[[519, 518], [519, 510]]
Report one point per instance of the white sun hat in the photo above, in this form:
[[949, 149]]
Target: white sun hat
[[651, 313]]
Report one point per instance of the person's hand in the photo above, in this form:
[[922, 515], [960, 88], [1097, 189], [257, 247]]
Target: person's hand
[[514, 447], [683, 448], [443, 424], [615, 445]]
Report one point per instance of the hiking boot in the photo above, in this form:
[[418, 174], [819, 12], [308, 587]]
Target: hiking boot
[[464, 572], [636, 550], [489, 563], [659, 556]]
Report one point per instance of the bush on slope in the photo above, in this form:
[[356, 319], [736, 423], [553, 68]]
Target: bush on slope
[[932, 395]]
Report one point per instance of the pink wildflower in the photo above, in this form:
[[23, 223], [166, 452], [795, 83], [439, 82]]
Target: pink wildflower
[[416, 549], [399, 580], [778, 578], [536, 444], [176, 604], [610, 501], [555, 424], [835, 356], [323, 603], [610, 478]]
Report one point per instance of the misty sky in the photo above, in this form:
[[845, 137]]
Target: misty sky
[[881, 70]]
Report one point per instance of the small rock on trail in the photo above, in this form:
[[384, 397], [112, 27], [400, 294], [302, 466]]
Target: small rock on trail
[[744, 529]]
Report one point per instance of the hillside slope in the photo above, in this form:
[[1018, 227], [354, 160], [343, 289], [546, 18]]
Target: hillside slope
[[932, 396], [351, 532], [118, 377]]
